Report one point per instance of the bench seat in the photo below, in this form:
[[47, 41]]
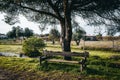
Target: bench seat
[[62, 61], [49, 57]]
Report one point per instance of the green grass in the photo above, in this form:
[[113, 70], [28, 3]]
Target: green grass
[[18, 63], [10, 41], [31, 68], [99, 65], [11, 48], [98, 69], [103, 54]]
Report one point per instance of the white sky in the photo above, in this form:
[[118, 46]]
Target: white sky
[[4, 28]]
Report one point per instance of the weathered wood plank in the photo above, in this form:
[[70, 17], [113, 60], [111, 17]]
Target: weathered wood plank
[[62, 61], [51, 53]]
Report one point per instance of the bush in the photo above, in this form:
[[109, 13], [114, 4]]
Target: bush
[[31, 46]]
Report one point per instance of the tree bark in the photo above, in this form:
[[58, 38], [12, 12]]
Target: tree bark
[[66, 41], [66, 36], [66, 30], [53, 41], [77, 42]]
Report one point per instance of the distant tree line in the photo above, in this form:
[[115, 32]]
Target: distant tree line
[[18, 32]]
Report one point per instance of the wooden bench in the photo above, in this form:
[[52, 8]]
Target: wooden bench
[[48, 56]]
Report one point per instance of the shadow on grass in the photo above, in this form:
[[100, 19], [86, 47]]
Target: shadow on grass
[[92, 71], [60, 66], [110, 73]]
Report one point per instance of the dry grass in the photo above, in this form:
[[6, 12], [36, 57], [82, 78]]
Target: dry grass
[[11, 48], [101, 45]]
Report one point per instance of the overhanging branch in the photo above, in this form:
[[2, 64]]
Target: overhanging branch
[[41, 12], [54, 7]]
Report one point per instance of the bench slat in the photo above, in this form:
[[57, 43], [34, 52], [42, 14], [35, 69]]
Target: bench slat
[[50, 53], [62, 61]]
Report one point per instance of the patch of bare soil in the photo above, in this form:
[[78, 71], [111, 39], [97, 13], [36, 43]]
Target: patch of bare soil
[[11, 75], [23, 75], [5, 75]]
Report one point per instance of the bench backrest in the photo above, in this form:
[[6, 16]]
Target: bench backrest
[[51, 53]]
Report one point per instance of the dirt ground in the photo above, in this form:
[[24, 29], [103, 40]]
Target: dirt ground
[[11, 75], [5, 75]]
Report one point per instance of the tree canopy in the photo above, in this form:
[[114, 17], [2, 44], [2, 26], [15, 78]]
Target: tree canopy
[[56, 8], [61, 12], [17, 32], [78, 34], [28, 32]]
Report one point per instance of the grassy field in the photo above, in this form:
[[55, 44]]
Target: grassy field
[[100, 66], [29, 69], [10, 41], [11, 48], [18, 49]]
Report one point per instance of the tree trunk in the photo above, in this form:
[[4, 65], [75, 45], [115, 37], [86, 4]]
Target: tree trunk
[[77, 42], [66, 29], [66, 36], [53, 41], [113, 44]]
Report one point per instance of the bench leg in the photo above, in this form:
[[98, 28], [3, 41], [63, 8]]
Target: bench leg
[[85, 66], [81, 67], [40, 60]]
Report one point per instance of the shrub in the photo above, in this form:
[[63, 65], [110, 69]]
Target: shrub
[[31, 46]]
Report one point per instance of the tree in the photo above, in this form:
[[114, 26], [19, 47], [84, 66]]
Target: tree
[[59, 11], [99, 36], [54, 34], [28, 32], [42, 27], [111, 23], [12, 33], [16, 32], [9, 34], [78, 34], [111, 31], [114, 24], [19, 32]]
